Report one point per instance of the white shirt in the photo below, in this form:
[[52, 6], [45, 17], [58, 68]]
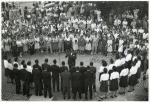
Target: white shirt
[[114, 75], [138, 64], [133, 70], [104, 77], [118, 62], [134, 57], [123, 60], [10, 66], [5, 63], [20, 67], [29, 69], [128, 57], [110, 67], [124, 72], [141, 30], [101, 69]]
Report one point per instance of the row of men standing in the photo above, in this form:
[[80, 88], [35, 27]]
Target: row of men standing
[[76, 79]]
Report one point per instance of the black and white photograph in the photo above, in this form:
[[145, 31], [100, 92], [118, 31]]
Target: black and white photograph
[[74, 50]]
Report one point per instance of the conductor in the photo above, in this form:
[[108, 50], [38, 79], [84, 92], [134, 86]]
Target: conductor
[[71, 58]]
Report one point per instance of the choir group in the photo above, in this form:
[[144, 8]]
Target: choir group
[[73, 26]]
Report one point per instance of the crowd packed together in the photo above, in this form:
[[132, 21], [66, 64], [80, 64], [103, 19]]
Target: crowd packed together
[[66, 26]]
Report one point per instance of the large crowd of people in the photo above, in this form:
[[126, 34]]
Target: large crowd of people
[[64, 26]]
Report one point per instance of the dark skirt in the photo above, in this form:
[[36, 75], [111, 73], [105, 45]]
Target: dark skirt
[[67, 45], [104, 86], [7, 72], [123, 81], [31, 49], [132, 80], [114, 85], [138, 74], [110, 71], [11, 74]]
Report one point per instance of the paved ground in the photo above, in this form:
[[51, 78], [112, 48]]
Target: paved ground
[[8, 90]]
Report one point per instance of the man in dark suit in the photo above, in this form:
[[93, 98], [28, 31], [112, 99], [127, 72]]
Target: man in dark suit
[[55, 75], [72, 70], [37, 81], [66, 76], [22, 75], [47, 83], [17, 78], [88, 75], [71, 58], [93, 70], [76, 77], [36, 65], [26, 85], [46, 65], [62, 69], [82, 69]]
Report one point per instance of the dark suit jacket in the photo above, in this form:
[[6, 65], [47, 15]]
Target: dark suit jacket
[[82, 69], [37, 66], [36, 75], [46, 78], [88, 75], [71, 58], [72, 70], [76, 77], [66, 76], [45, 65], [16, 74], [93, 69], [62, 69], [22, 74], [55, 71]]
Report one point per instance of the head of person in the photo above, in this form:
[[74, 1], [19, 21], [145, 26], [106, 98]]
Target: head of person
[[104, 63], [114, 68], [24, 66], [36, 61], [16, 59], [15, 65], [139, 57], [111, 61], [81, 63], [29, 63], [9, 60], [91, 63], [46, 60], [63, 63], [105, 70], [22, 62], [54, 61], [88, 67]]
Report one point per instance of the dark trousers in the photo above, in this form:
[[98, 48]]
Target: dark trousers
[[56, 80], [86, 90], [104, 51], [77, 89], [66, 89], [94, 83], [26, 88], [18, 86], [61, 84], [38, 90], [47, 88]]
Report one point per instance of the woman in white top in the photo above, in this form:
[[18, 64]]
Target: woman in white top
[[123, 79], [89, 21], [132, 77], [104, 83], [19, 46], [114, 82], [120, 50], [88, 47], [124, 23], [10, 67], [37, 44], [109, 46], [25, 45], [75, 43], [104, 65], [6, 69]]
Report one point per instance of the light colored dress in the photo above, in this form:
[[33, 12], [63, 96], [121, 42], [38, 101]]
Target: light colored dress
[[109, 43]]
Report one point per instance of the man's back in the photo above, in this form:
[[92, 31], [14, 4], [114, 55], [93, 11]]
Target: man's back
[[37, 66], [76, 76], [93, 69], [82, 69], [88, 77], [55, 70], [45, 65], [62, 69], [22, 74], [36, 74], [66, 76], [16, 73], [46, 77]]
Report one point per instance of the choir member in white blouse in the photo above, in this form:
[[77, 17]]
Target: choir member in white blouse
[[124, 79], [132, 77], [128, 59], [114, 82], [10, 67], [104, 83], [104, 65], [118, 63]]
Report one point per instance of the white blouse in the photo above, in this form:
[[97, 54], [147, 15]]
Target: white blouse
[[114, 75], [110, 67], [101, 69], [128, 57], [118, 63], [10, 66], [133, 70], [29, 69], [104, 77], [124, 72], [5, 63], [138, 64]]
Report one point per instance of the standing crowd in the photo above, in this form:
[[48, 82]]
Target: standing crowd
[[73, 26]]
